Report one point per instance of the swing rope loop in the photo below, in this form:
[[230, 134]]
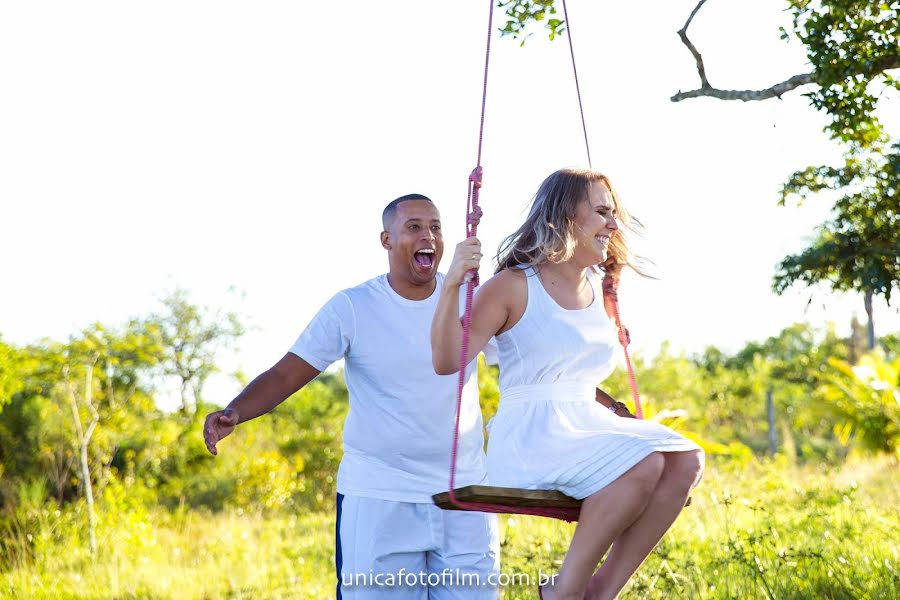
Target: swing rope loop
[[472, 217]]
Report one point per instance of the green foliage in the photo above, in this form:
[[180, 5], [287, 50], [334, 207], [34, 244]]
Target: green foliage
[[11, 372], [794, 356], [851, 44], [285, 460], [768, 531], [488, 388], [866, 400], [891, 344], [711, 408], [37, 434], [309, 426], [520, 13], [859, 249]]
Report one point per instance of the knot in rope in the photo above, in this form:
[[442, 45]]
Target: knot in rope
[[473, 216], [475, 176], [609, 288]]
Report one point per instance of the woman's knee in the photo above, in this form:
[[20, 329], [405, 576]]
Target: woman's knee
[[685, 467]]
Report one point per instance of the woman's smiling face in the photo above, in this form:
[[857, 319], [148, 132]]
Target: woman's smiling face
[[595, 225]]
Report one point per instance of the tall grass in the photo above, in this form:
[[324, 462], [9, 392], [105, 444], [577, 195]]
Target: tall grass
[[764, 531], [760, 530]]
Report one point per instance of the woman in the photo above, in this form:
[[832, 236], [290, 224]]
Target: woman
[[556, 342]]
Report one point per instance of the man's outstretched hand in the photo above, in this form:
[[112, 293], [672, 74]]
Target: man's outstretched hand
[[218, 425]]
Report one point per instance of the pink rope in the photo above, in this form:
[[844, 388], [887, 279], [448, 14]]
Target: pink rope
[[474, 186], [624, 339]]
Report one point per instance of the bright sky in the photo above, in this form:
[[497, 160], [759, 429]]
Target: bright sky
[[254, 145]]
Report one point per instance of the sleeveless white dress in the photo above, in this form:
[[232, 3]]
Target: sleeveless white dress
[[549, 432]]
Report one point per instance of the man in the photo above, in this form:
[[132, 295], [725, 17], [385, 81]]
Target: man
[[391, 541]]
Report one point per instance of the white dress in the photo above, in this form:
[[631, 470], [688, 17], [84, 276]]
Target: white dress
[[549, 432]]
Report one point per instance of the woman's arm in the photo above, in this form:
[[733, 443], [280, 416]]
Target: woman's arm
[[489, 312]]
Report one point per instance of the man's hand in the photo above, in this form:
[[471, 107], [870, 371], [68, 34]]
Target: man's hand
[[609, 402], [218, 425], [622, 411]]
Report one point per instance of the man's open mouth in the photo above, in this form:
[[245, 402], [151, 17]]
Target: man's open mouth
[[424, 258]]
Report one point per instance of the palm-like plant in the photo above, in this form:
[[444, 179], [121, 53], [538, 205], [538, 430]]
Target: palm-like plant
[[866, 397]]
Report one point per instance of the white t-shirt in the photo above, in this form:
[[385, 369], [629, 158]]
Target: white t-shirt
[[399, 430]]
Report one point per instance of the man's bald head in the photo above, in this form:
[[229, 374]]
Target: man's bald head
[[387, 217]]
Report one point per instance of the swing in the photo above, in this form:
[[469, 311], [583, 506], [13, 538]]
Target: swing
[[546, 503]]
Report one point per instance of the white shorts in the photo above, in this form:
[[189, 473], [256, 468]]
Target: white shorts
[[410, 551]]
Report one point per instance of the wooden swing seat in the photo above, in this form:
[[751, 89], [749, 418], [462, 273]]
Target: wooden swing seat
[[513, 497], [517, 497]]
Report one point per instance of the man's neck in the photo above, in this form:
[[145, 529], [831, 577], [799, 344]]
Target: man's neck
[[411, 291]]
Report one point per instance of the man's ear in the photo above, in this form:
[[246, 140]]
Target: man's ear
[[385, 240]]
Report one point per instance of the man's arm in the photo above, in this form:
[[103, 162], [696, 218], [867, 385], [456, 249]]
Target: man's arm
[[273, 387], [263, 394], [609, 402]]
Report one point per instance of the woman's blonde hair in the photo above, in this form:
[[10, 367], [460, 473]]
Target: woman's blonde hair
[[548, 233]]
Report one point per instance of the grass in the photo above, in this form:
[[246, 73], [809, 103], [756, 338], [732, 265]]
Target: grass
[[762, 530]]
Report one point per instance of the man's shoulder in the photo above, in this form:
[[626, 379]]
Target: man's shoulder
[[364, 291], [377, 292]]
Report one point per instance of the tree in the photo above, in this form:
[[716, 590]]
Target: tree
[[191, 338], [859, 249], [110, 364], [852, 45], [83, 439], [857, 344]]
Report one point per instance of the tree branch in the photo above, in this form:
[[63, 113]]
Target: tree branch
[[706, 90], [682, 33], [747, 95]]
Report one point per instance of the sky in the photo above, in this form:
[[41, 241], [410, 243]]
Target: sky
[[244, 151]]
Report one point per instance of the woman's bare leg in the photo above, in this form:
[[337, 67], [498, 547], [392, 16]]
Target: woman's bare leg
[[603, 518], [680, 473]]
